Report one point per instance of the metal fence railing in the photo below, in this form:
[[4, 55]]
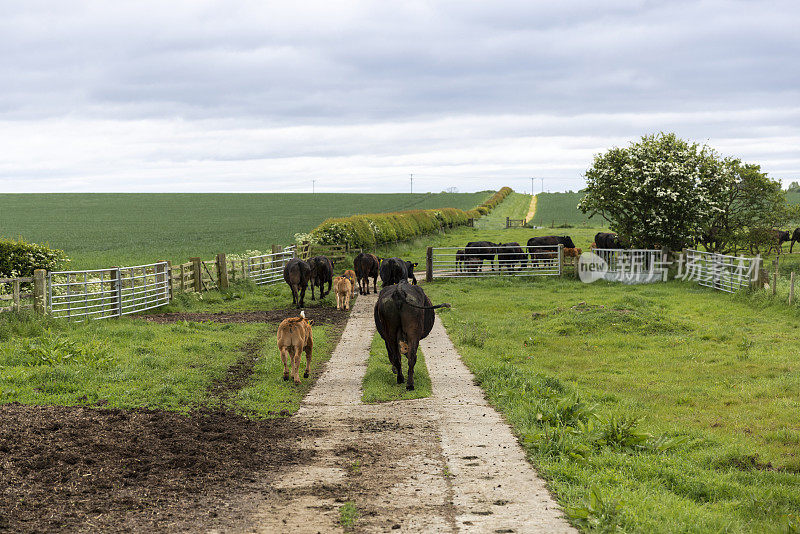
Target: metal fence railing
[[634, 266], [721, 272], [452, 262], [104, 293], [268, 268]]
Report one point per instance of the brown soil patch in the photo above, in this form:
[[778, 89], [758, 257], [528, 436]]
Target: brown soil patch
[[322, 315], [85, 469]]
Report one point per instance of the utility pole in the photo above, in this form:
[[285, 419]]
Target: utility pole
[[531, 185], [542, 185], [313, 182], [412, 183]]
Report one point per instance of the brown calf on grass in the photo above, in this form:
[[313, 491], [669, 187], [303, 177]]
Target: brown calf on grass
[[343, 289], [294, 337], [351, 274]]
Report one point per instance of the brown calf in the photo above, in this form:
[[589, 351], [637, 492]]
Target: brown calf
[[294, 337], [351, 274], [343, 289]]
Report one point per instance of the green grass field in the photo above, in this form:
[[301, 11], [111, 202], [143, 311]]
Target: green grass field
[[380, 384], [515, 206], [558, 209], [131, 363], [680, 404], [104, 230]]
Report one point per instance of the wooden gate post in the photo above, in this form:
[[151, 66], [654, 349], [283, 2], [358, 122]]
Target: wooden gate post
[[197, 274], [560, 259], [222, 271], [507, 222], [39, 291], [169, 279], [429, 265]]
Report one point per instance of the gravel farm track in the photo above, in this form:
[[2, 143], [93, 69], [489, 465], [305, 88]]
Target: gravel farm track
[[448, 463]]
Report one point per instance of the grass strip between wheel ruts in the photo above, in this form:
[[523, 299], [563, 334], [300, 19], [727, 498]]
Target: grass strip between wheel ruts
[[380, 383]]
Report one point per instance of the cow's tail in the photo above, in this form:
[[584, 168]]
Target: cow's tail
[[399, 297]]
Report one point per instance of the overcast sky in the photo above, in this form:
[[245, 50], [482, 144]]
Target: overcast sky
[[259, 96]]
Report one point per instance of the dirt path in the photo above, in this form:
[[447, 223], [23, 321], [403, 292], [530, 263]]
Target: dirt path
[[532, 209], [448, 463]]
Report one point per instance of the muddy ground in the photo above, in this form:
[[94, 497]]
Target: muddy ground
[[319, 315], [89, 469]]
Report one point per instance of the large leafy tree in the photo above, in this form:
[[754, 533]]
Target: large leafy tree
[[664, 191], [654, 192]]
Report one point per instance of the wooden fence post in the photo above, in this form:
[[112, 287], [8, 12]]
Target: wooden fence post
[[222, 271], [169, 279], [507, 222], [39, 291], [429, 265], [791, 289], [775, 277], [560, 259], [183, 278], [15, 293], [197, 274]]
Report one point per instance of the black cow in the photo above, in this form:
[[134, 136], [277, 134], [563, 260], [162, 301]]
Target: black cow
[[607, 240], [478, 251], [297, 274], [393, 270], [366, 266], [321, 272], [795, 237], [509, 254], [461, 258], [550, 244], [410, 270], [779, 238], [404, 315]]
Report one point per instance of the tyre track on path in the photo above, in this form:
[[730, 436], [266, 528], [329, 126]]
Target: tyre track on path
[[448, 463]]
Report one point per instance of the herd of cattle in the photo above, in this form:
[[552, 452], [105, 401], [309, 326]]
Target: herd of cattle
[[403, 313]]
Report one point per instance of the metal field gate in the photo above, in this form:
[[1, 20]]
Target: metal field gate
[[634, 266], [719, 271], [104, 293], [452, 262], [268, 268]]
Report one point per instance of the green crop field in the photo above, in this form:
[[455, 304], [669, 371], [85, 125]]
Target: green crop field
[[104, 230], [558, 209]]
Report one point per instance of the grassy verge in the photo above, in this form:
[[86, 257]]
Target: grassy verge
[[659, 408], [380, 384], [515, 206], [131, 363]]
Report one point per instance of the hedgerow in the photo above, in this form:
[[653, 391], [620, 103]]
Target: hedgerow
[[20, 258], [379, 228]]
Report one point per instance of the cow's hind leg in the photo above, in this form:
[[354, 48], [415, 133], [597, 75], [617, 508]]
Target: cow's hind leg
[[308, 361], [412, 361], [285, 360], [296, 364], [302, 296], [392, 342]]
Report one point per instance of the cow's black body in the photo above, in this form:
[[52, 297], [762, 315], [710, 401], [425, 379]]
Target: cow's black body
[[321, 272], [795, 237], [297, 274], [511, 254], [477, 251], [403, 313], [607, 240], [366, 266], [550, 246], [393, 270]]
